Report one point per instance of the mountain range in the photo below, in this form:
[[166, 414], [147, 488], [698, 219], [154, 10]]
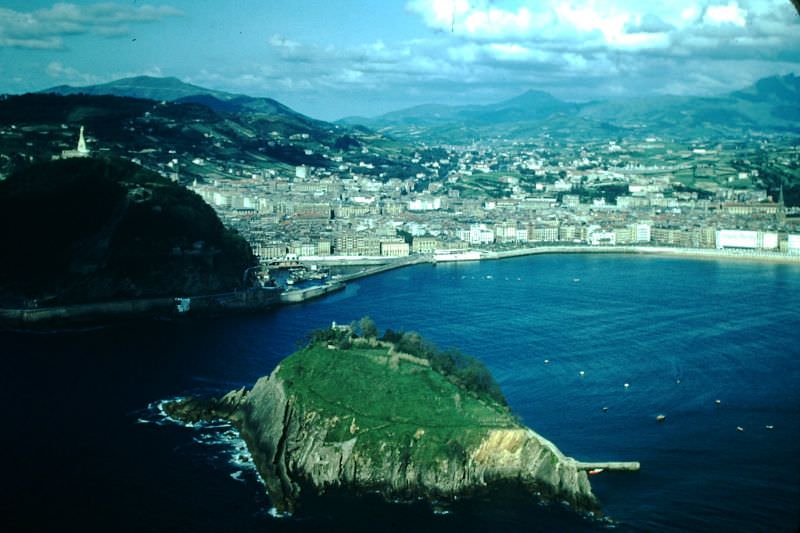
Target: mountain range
[[769, 105]]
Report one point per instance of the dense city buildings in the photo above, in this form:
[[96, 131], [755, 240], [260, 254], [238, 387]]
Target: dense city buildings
[[520, 195], [384, 198]]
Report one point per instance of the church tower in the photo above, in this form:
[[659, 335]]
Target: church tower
[[781, 208]]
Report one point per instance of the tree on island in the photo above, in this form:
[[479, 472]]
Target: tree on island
[[368, 328]]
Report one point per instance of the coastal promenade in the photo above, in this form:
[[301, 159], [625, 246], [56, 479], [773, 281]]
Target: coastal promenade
[[693, 253]]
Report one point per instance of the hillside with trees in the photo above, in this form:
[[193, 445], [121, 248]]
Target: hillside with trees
[[84, 230]]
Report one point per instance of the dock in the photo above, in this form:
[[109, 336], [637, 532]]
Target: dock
[[624, 466]]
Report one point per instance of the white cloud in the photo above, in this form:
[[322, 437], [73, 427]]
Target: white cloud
[[486, 50], [71, 75], [47, 28], [728, 14]]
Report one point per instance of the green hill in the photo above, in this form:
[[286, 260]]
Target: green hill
[[364, 416], [82, 230]]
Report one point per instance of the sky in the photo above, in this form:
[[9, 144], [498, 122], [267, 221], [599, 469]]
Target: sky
[[335, 58]]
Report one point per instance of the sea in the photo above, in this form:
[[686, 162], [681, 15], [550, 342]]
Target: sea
[[588, 349]]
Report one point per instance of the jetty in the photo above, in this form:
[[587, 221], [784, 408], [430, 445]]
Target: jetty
[[624, 466]]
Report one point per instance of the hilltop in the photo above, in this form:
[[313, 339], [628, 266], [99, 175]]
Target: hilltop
[[187, 132], [394, 416], [86, 230], [171, 89]]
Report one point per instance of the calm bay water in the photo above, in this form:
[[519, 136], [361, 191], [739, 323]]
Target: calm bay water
[[81, 445]]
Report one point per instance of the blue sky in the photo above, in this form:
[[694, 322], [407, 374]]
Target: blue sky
[[331, 59]]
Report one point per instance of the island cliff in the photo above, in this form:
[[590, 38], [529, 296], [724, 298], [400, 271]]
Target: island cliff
[[363, 416]]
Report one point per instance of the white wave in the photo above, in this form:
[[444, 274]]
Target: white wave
[[274, 513]]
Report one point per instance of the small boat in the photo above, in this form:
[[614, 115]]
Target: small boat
[[547, 361], [769, 427], [739, 428], [595, 471], [576, 280], [717, 402], [660, 418], [605, 409]]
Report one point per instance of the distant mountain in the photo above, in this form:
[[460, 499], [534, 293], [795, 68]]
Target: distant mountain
[[174, 90], [771, 104], [532, 105], [785, 89], [149, 87]]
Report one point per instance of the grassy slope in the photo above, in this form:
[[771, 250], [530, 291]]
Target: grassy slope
[[390, 404]]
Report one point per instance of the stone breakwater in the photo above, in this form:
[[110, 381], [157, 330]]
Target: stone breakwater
[[295, 456]]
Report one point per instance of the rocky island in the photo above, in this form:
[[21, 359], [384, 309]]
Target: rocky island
[[393, 416]]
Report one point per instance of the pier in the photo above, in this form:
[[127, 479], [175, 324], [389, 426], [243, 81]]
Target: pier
[[625, 466]]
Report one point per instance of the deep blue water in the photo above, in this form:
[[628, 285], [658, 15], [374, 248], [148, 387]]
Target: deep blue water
[[681, 333]]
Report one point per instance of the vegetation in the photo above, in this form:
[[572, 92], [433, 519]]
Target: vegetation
[[82, 230], [371, 390], [464, 371]]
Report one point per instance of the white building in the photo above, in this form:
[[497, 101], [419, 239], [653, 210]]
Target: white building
[[793, 244], [747, 239], [641, 232], [425, 204], [602, 238], [477, 234]]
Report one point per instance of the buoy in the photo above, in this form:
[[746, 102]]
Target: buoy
[[678, 381], [739, 428], [547, 361], [626, 385], [581, 373], [660, 418]]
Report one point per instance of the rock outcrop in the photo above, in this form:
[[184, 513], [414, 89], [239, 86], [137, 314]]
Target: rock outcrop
[[291, 450], [328, 420]]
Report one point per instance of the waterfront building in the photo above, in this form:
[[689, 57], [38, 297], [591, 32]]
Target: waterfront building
[[477, 234], [394, 249], [602, 238], [568, 232], [538, 233], [324, 247], [424, 244], [641, 232]]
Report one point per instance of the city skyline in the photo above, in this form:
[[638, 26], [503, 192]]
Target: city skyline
[[331, 60]]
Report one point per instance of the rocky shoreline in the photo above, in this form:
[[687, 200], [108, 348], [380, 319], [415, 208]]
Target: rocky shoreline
[[300, 454]]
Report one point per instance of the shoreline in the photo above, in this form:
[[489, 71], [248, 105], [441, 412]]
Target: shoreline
[[254, 300], [662, 251]]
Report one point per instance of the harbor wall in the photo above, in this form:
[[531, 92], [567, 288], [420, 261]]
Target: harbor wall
[[102, 312]]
